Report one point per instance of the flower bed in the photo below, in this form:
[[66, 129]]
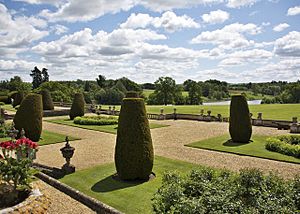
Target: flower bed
[[15, 170], [96, 120], [286, 144]]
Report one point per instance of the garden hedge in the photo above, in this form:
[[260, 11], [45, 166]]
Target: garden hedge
[[240, 127], [18, 98], [287, 145], [29, 117], [134, 149], [95, 120], [47, 100], [78, 105]]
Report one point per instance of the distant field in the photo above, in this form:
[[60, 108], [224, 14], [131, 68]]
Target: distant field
[[270, 111]]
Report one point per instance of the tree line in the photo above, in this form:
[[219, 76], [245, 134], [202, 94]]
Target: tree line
[[165, 89]]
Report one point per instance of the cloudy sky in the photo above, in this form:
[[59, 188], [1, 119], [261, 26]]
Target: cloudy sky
[[229, 40]]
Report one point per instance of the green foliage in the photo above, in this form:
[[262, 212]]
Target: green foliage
[[211, 191], [287, 144], [195, 92], [96, 120], [38, 77], [166, 92], [240, 127], [47, 100], [119, 86], [132, 94], [134, 150], [29, 116], [109, 96], [17, 98], [78, 105]]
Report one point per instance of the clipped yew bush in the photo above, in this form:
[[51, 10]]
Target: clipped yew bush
[[240, 127], [47, 100], [134, 149], [77, 108], [18, 98], [29, 116], [132, 94]]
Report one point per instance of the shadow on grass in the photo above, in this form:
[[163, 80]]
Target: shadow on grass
[[110, 183], [231, 143]]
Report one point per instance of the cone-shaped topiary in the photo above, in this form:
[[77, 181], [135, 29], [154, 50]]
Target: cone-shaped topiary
[[240, 127], [47, 100], [134, 149], [132, 94], [78, 105], [18, 98], [29, 116]]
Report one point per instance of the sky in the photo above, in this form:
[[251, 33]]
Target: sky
[[229, 40]]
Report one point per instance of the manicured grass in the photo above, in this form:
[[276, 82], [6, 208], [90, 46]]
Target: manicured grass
[[106, 128], [255, 148], [49, 138], [124, 196], [270, 111]]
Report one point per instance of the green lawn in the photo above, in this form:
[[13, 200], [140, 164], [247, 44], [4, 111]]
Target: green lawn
[[107, 128], [270, 111], [49, 138], [126, 197], [255, 148]]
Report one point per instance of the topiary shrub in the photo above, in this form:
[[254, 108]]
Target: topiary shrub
[[132, 94], [47, 100], [240, 127], [286, 144], [17, 97], [29, 117], [134, 149], [78, 105], [96, 120]]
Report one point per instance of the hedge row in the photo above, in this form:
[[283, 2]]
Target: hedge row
[[287, 145], [97, 120], [213, 191]]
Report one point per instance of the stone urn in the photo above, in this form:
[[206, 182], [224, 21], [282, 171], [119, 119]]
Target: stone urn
[[68, 152]]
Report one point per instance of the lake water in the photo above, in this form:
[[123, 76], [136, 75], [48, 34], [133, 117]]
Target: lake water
[[251, 102]]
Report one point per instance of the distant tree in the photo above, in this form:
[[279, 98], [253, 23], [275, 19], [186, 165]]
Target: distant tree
[[150, 86], [120, 86], [195, 93], [101, 81], [129, 84], [187, 84], [17, 84], [87, 86], [38, 77]]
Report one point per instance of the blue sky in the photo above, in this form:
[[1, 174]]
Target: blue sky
[[229, 40]]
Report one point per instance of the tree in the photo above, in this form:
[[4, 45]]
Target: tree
[[240, 127], [87, 86], [195, 93], [165, 90], [134, 154], [38, 77], [101, 81]]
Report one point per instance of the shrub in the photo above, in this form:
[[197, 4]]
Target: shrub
[[219, 191], [96, 120], [78, 105], [240, 127], [132, 94], [134, 149], [29, 117], [18, 98], [287, 145], [47, 100]]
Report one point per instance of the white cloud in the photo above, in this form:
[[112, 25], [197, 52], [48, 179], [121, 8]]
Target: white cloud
[[59, 29], [19, 32], [281, 27], [230, 36], [214, 17], [169, 21], [288, 45], [239, 58], [240, 3], [293, 11]]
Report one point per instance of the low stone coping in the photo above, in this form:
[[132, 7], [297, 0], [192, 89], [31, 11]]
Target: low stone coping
[[90, 202]]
